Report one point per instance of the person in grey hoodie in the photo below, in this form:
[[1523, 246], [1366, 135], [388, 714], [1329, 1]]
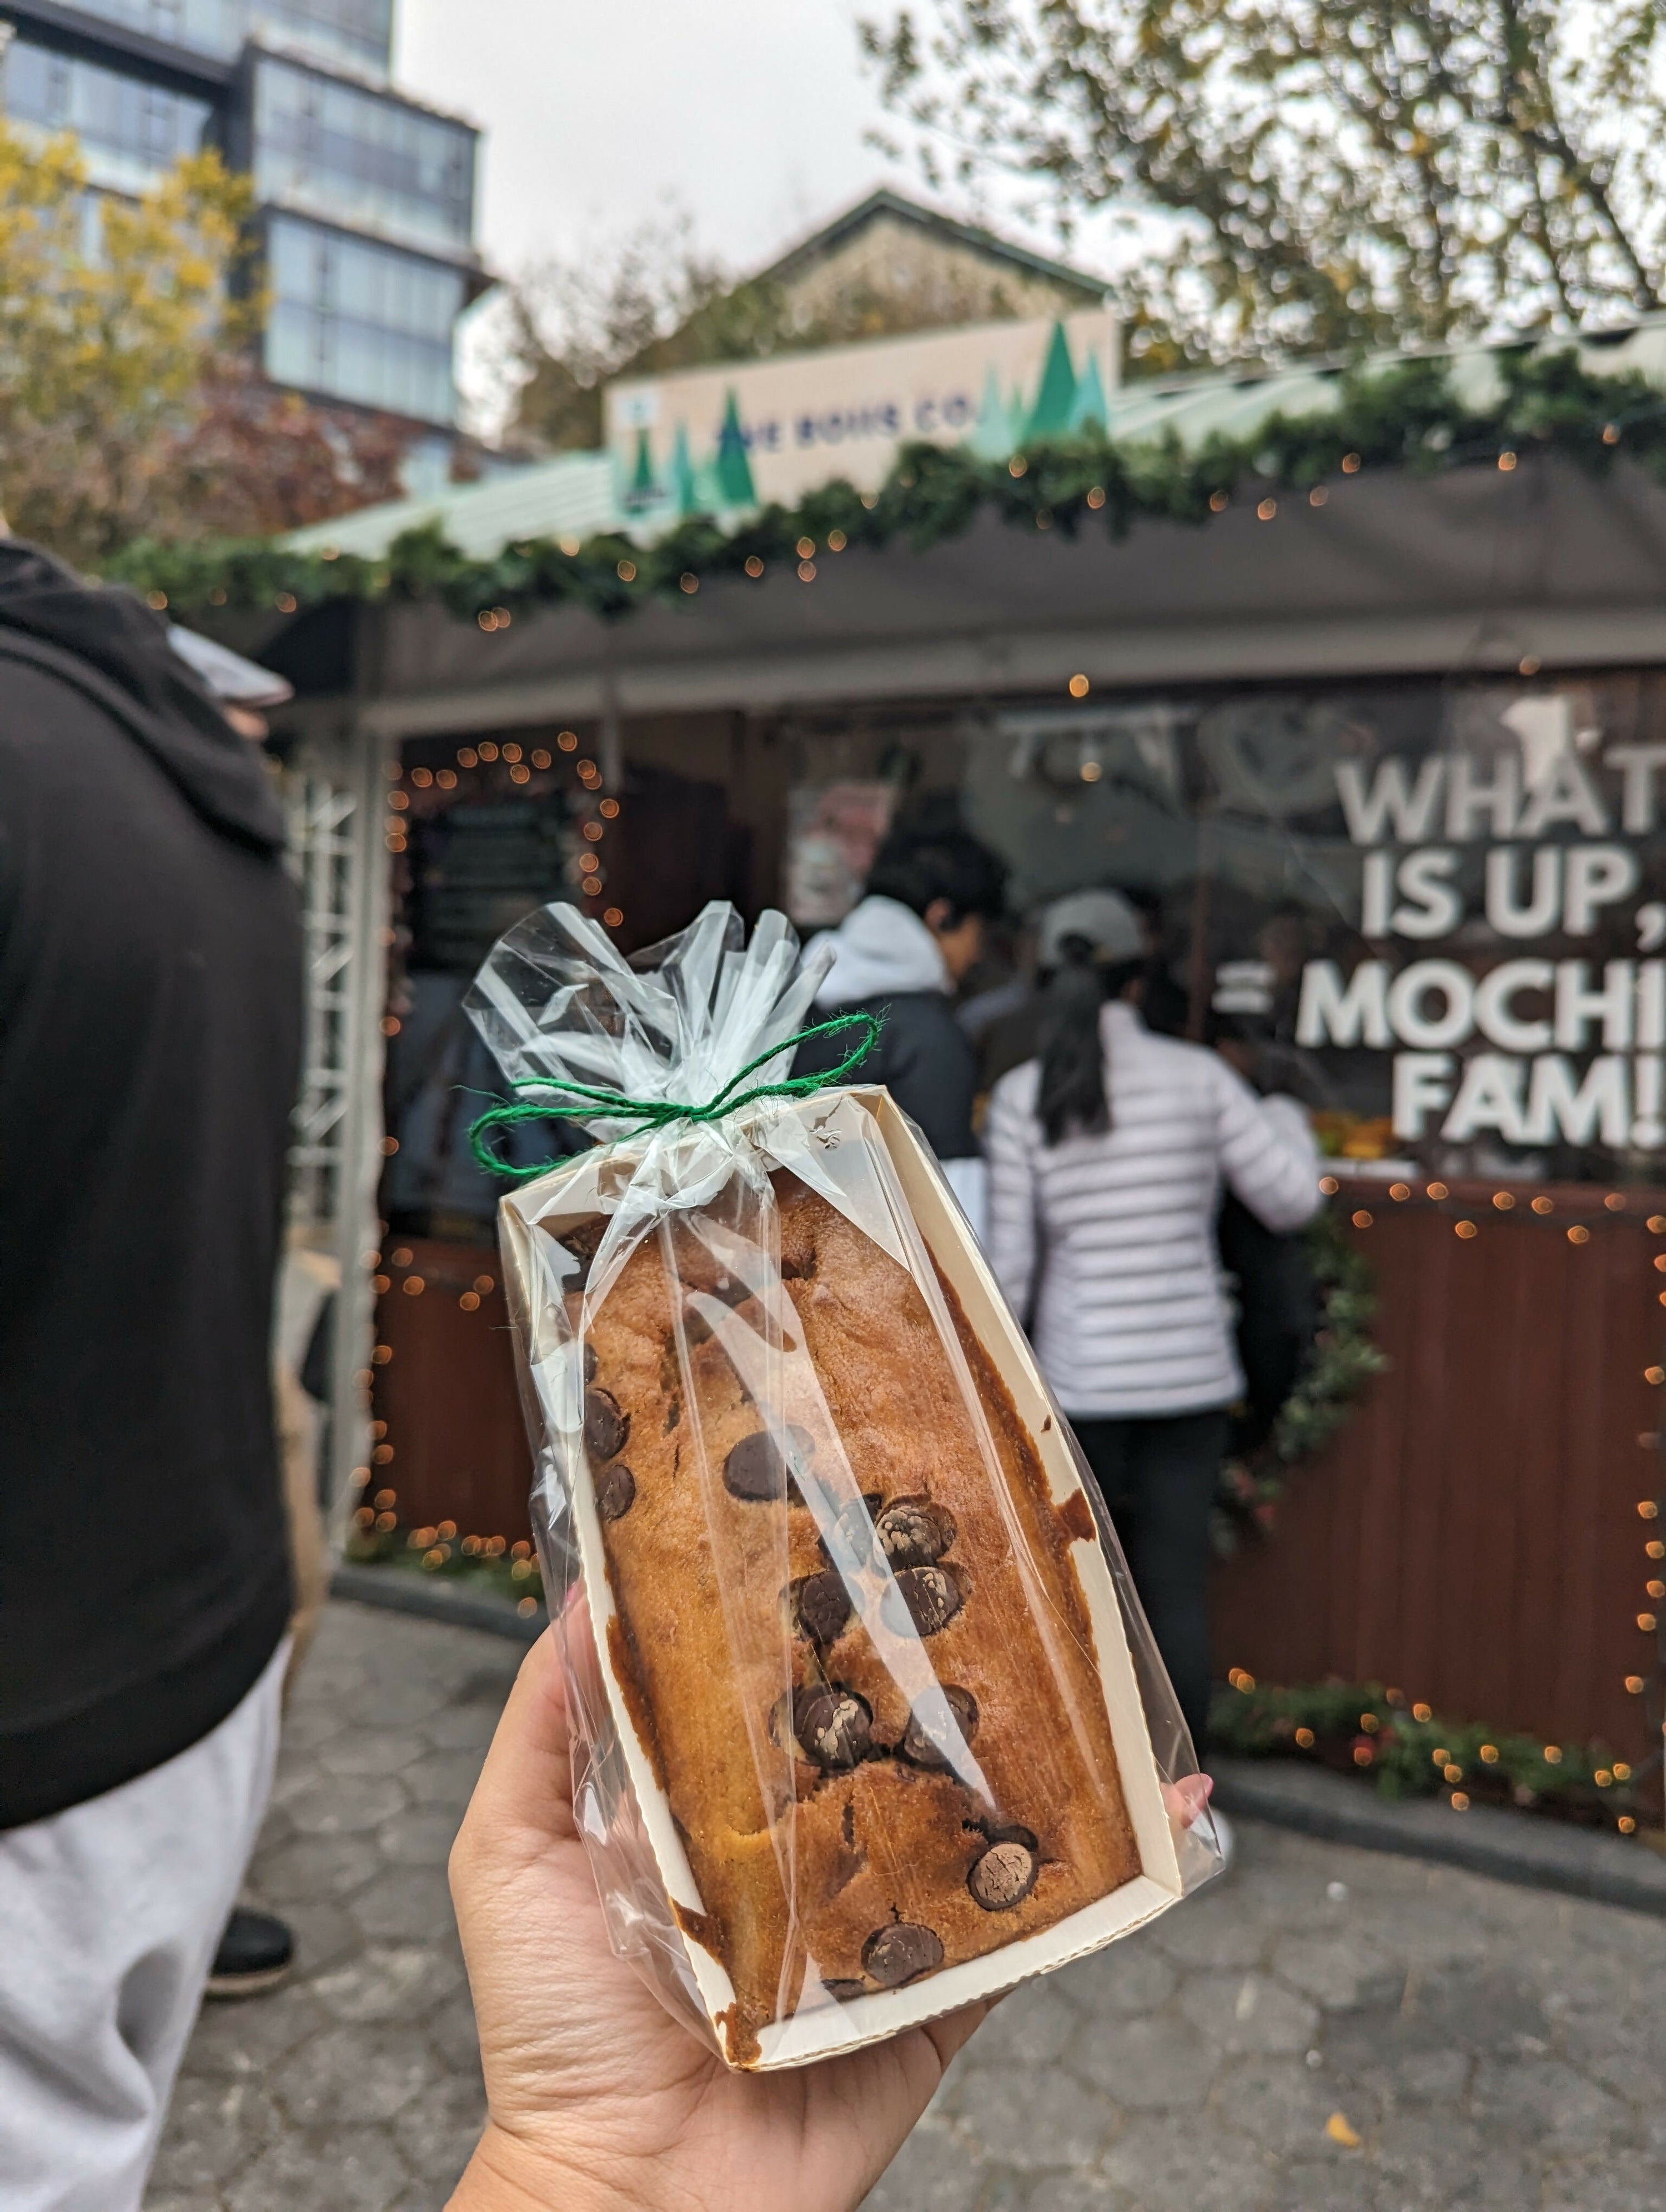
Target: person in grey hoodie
[[899, 954]]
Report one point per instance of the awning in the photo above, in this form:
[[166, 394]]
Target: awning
[[1476, 568]]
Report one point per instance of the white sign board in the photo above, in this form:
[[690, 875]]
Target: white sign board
[[745, 433]]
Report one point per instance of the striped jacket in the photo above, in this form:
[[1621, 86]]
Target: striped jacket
[[1105, 1245]]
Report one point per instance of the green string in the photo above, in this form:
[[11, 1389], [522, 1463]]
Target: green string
[[657, 1113]]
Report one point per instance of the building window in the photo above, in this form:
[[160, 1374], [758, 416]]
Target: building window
[[210, 26], [358, 322], [362, 30], [356, 157], [130, 132]]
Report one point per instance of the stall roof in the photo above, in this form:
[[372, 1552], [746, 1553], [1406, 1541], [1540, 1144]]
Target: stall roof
[[1471, 570], [576, 494]]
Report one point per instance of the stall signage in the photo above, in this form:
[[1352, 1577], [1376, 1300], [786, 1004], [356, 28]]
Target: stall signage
[[706, 440], [1541, 1021]]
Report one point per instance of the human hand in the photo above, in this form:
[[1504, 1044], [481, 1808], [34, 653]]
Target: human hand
[[597, 2097]]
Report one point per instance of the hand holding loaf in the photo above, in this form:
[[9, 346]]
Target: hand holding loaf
[[862, 1735]]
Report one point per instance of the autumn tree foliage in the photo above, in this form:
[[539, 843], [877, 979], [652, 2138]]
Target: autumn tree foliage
[[1317, 176], [129, 403]]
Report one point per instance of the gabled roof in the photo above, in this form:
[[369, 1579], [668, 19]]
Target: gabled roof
[[855, 220]]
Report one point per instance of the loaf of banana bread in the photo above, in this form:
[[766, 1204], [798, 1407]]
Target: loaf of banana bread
[[858, 1654]]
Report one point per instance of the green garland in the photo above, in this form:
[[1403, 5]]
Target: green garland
[[1366, 1730], [1406, 416], [1342, 1361]]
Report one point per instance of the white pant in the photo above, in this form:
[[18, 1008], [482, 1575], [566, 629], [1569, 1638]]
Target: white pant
[[110, 1915]]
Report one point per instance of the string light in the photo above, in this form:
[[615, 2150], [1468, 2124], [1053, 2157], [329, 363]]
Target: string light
[[567, 740], [754, 566], [540, 757], [1220, 502], [1266, 510], [1317, 496], [1350, 464], [487, 749], [613, 917]]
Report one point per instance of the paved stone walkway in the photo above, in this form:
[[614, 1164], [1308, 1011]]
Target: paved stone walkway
[[1492, 2049]]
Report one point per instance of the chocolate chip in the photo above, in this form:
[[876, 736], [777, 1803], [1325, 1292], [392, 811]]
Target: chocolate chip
[[616, 1491], [755, 1469], [589, 1363], [823, 1607], [606, 1427], [929, 1747], [1004, 1876], [915, 1532], [896, 1954], [833, 1726], [843, 1992], [925, 1597]]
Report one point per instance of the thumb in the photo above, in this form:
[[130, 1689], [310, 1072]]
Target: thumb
[[527, 1783]]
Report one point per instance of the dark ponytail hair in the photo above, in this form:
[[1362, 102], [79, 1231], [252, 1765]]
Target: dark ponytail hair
[[1071, 1100], [1072, 1096]]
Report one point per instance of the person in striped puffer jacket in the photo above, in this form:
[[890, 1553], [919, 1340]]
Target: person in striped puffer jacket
[[1108, 1155]]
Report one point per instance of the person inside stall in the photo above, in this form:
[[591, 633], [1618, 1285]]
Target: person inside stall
[[1108, 1153], [899, 954]]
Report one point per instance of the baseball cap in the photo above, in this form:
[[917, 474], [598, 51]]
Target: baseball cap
[[1105, 918]]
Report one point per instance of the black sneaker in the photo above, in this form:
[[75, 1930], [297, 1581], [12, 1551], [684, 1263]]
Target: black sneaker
[[255, 1955]]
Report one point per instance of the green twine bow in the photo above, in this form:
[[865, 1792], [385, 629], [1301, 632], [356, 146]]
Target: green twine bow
[[657, 1113]]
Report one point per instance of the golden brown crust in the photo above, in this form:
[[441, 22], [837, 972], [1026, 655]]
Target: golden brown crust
[[804, 1862]]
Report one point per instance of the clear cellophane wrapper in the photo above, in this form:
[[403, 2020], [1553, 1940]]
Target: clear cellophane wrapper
[[867, 1722]]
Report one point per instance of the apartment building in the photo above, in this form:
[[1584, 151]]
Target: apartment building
[[365, 196]]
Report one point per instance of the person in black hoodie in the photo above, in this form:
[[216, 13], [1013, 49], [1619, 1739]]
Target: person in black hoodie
[[151, 980]]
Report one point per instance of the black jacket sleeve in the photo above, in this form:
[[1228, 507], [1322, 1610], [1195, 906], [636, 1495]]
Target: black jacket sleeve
[[923, 1058]]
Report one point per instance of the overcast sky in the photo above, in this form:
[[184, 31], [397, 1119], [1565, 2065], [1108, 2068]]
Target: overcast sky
[[749, 114], [750, 111]]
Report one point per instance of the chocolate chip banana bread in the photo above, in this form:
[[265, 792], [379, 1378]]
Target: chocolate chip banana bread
[[863, 1671]]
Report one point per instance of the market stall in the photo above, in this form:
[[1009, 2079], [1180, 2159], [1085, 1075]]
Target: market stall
[[1381, 760]]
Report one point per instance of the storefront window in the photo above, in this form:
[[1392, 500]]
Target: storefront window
[[358, 156], [361, 322], [1436, 912]]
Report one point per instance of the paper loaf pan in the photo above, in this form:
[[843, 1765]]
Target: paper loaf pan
[[575, 1193]]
